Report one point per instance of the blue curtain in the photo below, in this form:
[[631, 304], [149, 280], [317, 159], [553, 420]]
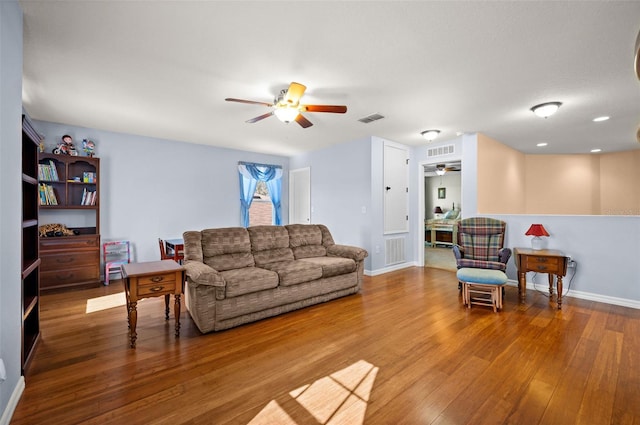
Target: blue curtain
[[275, 191], [250, 174]]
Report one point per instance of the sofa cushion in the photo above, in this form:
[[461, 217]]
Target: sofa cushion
[[307, 251], [248, 280], [332, 266], [269, 244], [294, 272], [305, 241], [226, 249]]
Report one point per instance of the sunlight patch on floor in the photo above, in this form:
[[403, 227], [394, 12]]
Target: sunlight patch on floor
[[340, 398], [105, 302]]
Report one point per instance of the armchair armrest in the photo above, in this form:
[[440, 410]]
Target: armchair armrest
[[504, 254], [346, 251], [201, 274], [458, 252]]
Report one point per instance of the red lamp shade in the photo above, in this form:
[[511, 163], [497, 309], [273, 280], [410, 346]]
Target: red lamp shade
[[437, 210], [537, 230]]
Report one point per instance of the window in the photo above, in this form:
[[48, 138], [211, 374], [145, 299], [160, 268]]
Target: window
[[250, 175], [261, 210]]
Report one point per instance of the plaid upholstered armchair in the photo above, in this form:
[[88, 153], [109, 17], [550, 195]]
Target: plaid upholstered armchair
[[481, 244]]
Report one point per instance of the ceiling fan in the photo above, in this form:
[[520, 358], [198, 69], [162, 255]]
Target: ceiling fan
[[287, 107], [443, 168]]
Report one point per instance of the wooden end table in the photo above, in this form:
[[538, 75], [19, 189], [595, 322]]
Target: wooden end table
[[548, 261], [152, 279]]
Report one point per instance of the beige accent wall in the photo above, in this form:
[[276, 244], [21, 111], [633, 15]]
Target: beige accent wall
[[562, 184], [510, 182], [501, 179], [619, 180]]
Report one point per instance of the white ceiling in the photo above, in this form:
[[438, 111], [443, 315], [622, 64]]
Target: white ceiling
[[164, 68]]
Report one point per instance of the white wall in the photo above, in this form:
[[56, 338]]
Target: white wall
[[153, 188], [10, 203], [452, 182], [340, 191]]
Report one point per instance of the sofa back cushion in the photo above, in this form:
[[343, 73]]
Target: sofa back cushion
[[227, 248], [305, 241], [269, 244]]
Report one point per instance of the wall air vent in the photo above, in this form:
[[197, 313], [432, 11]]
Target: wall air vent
[[440, 150], [371, 118]]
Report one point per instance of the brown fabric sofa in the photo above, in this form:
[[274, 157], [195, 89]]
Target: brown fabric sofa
[[237, 275]]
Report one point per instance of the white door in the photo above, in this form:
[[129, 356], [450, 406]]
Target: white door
[[300, 196], [396, 189]]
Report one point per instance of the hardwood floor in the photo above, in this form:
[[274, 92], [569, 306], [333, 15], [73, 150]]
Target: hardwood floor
[[404, 351]]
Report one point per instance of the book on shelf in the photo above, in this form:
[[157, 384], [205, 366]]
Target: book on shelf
[[88, 197], [48, 172], [47, 195]]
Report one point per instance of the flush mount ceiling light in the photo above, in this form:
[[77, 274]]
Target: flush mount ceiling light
[[600, 119], [545, 110], [542, 144], [596, 150], [430, 135]]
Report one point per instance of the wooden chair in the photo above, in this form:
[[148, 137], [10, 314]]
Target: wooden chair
[[163, 251], [114, 255]]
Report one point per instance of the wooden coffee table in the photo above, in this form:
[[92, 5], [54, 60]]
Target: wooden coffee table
[[152, 279]]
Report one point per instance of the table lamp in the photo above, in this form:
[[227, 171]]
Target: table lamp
[[436, 211], [536, 230]]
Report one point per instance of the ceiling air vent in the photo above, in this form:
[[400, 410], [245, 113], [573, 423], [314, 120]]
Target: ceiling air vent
[[371, 118], [441, 150]]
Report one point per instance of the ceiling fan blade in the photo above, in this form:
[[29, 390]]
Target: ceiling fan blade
[[336, 109], [304, 123], [251, 102], [294, 93], [261, 117]]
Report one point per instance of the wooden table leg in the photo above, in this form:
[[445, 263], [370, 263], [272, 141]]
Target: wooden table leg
[[133, 320], [559, 289], [166, 307], [550, 276], [176, 309], [522, 285]]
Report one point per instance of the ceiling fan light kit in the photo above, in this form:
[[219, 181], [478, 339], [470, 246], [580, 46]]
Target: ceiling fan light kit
[[286, 114], [287, 107], [430, 135], [545, 110]]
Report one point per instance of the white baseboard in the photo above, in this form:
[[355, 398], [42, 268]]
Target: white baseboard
[[13, 402], [624, 302], [388, 269]]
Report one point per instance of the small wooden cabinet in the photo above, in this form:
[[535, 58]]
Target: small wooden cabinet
[[30, 256], [69, 193], [69, 261]]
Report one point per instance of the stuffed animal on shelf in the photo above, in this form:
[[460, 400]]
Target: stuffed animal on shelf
[[65, 147], [88, 147], [55, 229]]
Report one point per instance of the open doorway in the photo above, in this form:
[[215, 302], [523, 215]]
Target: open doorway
[[442, 208]]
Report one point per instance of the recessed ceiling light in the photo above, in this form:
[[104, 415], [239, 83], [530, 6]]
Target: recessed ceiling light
[[600, 119], [596, 150], [542, 144], [545, 110]]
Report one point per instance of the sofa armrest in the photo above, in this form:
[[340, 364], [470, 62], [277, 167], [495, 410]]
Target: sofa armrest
[[346, 251], [201, 274]]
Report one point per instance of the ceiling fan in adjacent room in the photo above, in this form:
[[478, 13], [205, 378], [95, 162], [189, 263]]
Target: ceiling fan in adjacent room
[[287, 107], [441, 169]]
